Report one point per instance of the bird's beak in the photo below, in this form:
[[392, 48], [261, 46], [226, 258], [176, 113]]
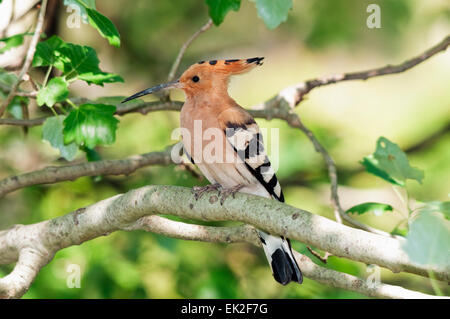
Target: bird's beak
[[165, 86]]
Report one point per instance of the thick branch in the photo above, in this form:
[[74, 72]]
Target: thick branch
[[130, 211], [121, 211], [246, 233]]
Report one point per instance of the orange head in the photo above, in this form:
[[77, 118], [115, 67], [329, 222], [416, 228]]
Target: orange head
[[205, 76]]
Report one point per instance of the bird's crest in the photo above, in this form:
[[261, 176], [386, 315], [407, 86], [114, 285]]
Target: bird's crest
[[230, 66]]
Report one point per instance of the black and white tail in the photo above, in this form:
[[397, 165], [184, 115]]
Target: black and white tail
[[279, 254], [247, 141]]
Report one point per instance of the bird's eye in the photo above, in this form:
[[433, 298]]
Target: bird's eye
[[195, 78]]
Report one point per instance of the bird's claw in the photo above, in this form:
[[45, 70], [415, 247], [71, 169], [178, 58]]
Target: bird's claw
[[200, 190], [226, 192]]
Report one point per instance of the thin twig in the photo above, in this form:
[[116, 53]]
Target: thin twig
[[22, 122], [55, 174], [33, 84], [28, 59], [332, 171], [31, 94], [121, 109], [294, 121], [305, 87], [183, 49], [323, 259]]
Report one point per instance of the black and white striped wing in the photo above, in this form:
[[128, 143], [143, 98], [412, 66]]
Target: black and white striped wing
[[247, 142]]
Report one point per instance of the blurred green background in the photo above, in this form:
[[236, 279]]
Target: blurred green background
[[320, 38]]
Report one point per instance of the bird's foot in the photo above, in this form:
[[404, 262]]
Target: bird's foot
[[226, 192], [200, 190]]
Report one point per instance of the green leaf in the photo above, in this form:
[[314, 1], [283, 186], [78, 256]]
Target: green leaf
[[91, 125], [104, 26], [55, 91], [373, 169], [399, 231], [47, 53], [75, 61], [15, 107], [11, 42], [428, 240], [100, 77], [7, 78], [218, 9], [440, 207], [390, 163], [376, 208], [52, 131], [82, 62], [273, 12]]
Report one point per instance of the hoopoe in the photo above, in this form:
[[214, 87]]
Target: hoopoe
[[226, 144]]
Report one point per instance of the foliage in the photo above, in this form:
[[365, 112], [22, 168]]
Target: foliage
[[55, 91], [52, 131], [101, 23], [219, 8], [428, 238], [91, 125], [376, 208], [390, 163], [272, 12], [440, 207], [11, 42], [75, 61]]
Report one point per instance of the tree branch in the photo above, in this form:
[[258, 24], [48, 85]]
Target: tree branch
[[23, 122], [295, 94], [55, 174], [247, 234], [31, 94], [35, 245], [121, 109], [28, 59], [183, 49], [294, 121]]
